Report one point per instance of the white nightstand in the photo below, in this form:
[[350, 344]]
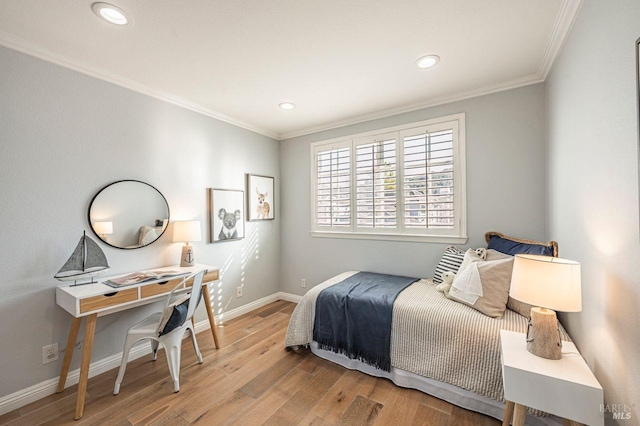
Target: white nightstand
[[564, 387]]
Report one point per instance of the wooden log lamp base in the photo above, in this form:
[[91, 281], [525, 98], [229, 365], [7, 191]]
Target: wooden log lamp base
[[543, 334]]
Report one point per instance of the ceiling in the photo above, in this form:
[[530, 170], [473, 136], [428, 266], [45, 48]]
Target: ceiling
[[339, 61]]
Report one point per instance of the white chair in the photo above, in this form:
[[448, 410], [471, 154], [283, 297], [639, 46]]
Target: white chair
[[149, 328]]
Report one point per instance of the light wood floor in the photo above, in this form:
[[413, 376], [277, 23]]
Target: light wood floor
[[252, 380]]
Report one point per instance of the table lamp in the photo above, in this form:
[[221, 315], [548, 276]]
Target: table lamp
[[551, 284], [185, 231], [103, 229]]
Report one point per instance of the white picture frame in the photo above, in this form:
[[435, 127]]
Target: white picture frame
[[226, 215], [260, 198]]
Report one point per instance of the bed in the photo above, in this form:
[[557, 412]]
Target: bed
[[439, 346]]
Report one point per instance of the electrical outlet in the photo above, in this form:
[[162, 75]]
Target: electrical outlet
[[49, 353], [303, 283], [239, 291]]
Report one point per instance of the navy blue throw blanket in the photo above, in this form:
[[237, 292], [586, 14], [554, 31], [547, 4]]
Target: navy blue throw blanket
[[353, 317]]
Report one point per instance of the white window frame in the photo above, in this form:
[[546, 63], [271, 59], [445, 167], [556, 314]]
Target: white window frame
[[457, 235]]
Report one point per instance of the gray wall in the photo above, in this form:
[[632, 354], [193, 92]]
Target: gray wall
[[593, 189], [63, 136], [505, 190]]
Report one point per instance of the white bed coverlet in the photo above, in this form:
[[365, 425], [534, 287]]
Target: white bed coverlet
[[431, 336]]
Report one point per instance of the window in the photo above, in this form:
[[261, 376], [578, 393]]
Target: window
[[376, 183], [401, 183], [333, 183]]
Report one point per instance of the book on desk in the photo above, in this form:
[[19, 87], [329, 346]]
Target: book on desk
[[144, 276]]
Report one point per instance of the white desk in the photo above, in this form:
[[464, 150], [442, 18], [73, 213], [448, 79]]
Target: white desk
[[98, 299], [566, 387]]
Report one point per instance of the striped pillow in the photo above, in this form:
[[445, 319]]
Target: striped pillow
[[451, 261]]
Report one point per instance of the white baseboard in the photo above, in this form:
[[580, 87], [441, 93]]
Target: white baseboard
[[48, 387], [289, 297]]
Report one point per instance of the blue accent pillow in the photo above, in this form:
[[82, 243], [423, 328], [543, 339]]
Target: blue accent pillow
[[513, 246], [177, 318]]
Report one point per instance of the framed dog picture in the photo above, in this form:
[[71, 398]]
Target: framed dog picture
[[260, 198], [226, 221]]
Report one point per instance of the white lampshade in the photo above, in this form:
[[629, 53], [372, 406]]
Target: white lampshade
[[187, 230], [547, 282], [103, 228]]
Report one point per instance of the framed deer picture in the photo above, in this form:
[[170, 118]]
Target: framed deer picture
[[260, 198]]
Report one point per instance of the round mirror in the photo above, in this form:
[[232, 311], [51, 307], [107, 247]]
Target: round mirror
[[128, 214]]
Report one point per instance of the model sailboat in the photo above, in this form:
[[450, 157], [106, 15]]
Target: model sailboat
[[86, 261]]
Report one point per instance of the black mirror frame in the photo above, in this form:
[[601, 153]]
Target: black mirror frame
[[127, 180]]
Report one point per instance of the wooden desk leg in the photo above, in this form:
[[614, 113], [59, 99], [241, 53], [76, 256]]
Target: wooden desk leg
[[519, 414], [71, 345], [508, 413], [212, 321], [89, 331]]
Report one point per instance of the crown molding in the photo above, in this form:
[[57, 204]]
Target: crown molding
[[487, 90], [561, 28], [12, 42]]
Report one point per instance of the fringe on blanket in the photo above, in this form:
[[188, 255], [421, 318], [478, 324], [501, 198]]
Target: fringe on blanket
[[378, 361]]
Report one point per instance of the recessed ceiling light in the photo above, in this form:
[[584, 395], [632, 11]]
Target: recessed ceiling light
[[111, 13], [427, 61], [287, 105]]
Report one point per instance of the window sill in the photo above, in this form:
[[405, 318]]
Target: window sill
[[391, 237]]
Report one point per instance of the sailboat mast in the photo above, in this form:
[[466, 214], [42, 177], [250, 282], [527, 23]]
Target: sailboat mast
[[84, 248]]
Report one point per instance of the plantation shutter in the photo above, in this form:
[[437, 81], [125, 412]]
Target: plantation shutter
[[333, 188], [376, 183], [404, 183], [428, 183]]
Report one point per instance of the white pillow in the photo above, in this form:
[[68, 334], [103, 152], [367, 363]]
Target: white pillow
[[471, 256], [148, 235], [484, 284]]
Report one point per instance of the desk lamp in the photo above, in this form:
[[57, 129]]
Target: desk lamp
[[551, 284], [185, 231], [103, 229]]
